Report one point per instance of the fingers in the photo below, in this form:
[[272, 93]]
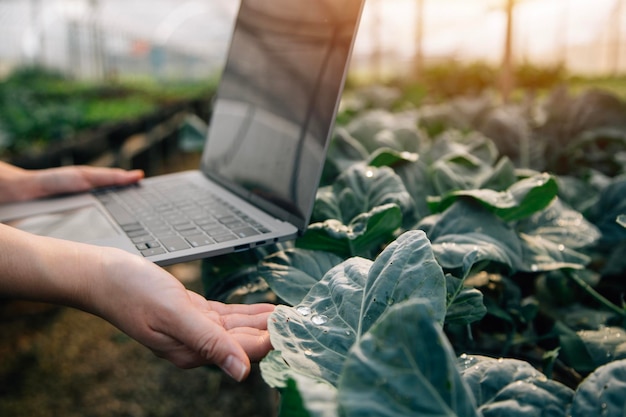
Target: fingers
[[100, 177], [256, 343], [234, 316], [82, 178], [229, 336], [249, 309]]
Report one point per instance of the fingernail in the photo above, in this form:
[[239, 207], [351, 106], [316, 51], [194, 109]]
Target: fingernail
[[234, 368]]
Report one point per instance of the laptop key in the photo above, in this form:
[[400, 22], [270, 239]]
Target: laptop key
[[224, 238], [189, 232], [132, 227], [120, 214], [174, 243], [137, 233], [199, 240], [245, 232], [152, 251], [142, 239]]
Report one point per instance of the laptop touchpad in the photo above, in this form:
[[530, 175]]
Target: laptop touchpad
[[84, 224]]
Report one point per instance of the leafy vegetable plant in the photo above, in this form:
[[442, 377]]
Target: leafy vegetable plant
[[440, 275]]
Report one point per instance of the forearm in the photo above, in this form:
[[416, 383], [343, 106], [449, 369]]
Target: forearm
[[138, 297], [46, 269]]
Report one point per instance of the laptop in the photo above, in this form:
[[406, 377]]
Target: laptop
[[271, 123]]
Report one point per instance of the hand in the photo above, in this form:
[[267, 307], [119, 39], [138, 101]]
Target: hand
[[140, 298], [179, 325], [17, 184]]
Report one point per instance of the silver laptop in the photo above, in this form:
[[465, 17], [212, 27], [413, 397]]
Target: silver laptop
[[265, 149]]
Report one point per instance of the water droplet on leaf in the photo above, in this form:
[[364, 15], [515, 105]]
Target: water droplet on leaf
[[319, 319], [303, 311]]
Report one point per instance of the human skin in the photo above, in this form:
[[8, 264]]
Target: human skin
[[135, 295]]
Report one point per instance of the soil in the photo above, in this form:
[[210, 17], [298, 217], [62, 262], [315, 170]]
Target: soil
[[57, 361]]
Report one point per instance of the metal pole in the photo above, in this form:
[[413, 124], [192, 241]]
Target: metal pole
[[506, 81], [419, 40]]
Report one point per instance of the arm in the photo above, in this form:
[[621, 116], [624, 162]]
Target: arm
[[138, 297], [18, 184]]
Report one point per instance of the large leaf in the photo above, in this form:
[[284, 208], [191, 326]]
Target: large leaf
[[458, 172], [577, 193], [315, 336], [562, 225], [465, 304], [602, 392], [611, 205], [453, 143], [404, 366], [545, 255], [358, 190], [414, 174], [292, 273], [513, 388], [573, 350], [468, 162], [386, 157], [378, 128], [300, 395], [363, 236], [343, 152], [520, 200], [605, 344], [224, 276], [468, 226]]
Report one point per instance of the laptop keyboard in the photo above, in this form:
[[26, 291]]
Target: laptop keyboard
[[164, 218]]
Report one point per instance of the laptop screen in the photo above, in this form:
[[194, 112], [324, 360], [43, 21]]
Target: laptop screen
[[277, 100]]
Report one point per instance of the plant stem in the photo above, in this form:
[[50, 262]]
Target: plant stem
[[594, 294]]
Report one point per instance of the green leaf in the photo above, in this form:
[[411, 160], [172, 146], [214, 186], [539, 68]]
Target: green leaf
[[292, 273], [416, 180], [577, 193], [363, 236], [361, 188], [453, 143], [390, 157], [465, 162], [501, 177], [573, 349], [379, 128], [404, 366], [610, 206], [520, 200], [300, 395], [457, 172], [602, 392], [343, 152], [315, 336], [545, 255], [562, 225], [465, 305], [513, 388], [468, 226], [605, 344], [225, 275]]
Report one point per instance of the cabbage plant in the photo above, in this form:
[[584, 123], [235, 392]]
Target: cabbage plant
[[443, 274]]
